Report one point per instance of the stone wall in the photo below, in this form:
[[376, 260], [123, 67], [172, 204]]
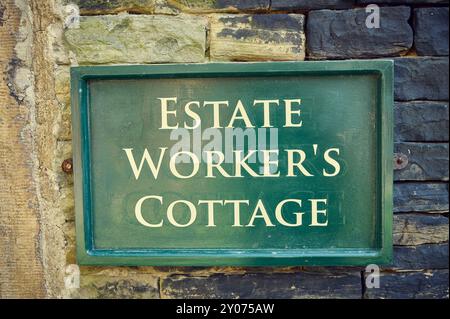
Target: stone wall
[[45, 37]]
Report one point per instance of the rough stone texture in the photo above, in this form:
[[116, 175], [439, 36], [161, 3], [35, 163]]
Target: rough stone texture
[[411, 285], [21, 268], [421, 79], [257, 37], [343, 34], [434, 256], [425, 162], [418, 229], [431, 31], [264, 285], [63, 130], [311, 4], [421, 121], [205, 6], [138, 39], [419, 197], [52, 201], [135, 286], [2, 13], [91, 7]]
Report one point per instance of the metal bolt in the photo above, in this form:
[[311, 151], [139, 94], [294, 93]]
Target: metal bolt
[[67, 166], [400, 161]]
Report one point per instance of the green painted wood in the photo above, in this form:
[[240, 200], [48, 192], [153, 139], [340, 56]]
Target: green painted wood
[[345, 104]]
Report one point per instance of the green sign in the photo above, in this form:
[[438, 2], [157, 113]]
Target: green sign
[[247, 164]]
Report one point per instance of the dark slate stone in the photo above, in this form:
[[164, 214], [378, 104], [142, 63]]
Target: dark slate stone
[[265, 286], [311, 4], [400, 1], [421, 79], [431, 31], [421, 121], [283, 22], [424, 162], [411, 285], [429, 256], [243, 4], [332, 269], [421, 197], [272, 22], [339, 34]]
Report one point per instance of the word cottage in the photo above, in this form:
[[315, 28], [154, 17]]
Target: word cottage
[[289, 212]]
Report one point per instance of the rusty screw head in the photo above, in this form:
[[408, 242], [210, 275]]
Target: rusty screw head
[[67, 166], [400, 161]]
